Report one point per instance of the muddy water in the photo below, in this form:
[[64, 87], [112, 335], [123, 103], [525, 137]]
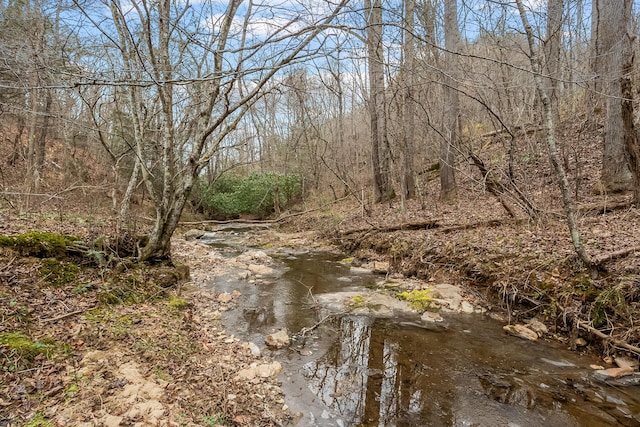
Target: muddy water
[[366, 371]]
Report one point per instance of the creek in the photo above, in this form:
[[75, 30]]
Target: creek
[[366, 370]]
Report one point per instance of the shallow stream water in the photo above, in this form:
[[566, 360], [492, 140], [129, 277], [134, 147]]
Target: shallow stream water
[[367, 371]]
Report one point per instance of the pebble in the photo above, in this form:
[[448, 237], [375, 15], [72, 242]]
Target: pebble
[[580, 342]]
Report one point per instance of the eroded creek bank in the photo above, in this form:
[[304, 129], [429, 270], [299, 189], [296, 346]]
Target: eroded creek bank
[[360, 356]]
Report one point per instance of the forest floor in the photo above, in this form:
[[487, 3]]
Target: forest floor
[[87, 346], [122, 346]]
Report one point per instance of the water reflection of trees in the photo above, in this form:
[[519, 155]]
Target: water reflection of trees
[[371, 377], [339, 378]]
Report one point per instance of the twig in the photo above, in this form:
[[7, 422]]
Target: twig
[[304, 331], [6, 267], [617, 342], [601, 335], [64, 316], [14, 193]]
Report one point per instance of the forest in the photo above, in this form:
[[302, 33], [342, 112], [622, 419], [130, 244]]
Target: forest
[[491, 144]]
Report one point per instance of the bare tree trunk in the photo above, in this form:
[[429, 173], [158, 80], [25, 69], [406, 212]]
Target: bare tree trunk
[[632, 145], [408, 135], [615, 174], [450, 142], [380, 155], [125, 203], [593, 97], [549, 130], [555, 12]]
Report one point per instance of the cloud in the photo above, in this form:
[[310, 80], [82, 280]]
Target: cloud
[[269, 17], [257, 26]]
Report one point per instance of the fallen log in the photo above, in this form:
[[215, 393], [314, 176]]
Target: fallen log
[[406, 226], [615, 255], [601, 209]]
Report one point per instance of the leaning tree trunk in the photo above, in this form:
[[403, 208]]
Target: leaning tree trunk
[[549, 131]]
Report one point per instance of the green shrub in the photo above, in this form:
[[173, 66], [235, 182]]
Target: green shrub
[[230, 196]]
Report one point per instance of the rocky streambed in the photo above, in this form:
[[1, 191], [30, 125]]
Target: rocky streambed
[[354, 346]]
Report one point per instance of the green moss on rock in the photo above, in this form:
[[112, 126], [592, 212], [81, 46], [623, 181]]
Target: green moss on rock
[[418, 300], [39, 244]]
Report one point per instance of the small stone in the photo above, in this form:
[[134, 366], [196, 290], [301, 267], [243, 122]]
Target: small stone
[[236, 293], [380, 267], [537, 326], [231, 396], [497, 316], [626, 362], [224, 297], [265, 370], [296, 418], [260, 270], [254, 349], [597, 367], [612, 373], [466, 307], [608, 360], [430, 316], [268, 370], [520, 331], [254, 255], [580, 342], [194, 234], [277, 340]]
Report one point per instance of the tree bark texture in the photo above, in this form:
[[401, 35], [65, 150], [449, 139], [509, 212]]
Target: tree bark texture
[[593, 97], [555, 18], [408, 106], [631, 138], [450, 143], [615, 174], [380, 153]]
